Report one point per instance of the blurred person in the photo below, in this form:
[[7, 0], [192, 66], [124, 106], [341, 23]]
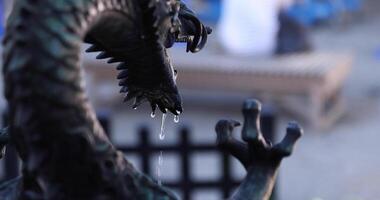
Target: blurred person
[[292, 36], [251, 27]]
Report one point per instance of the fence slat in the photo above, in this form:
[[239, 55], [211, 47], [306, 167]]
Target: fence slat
[[144, 150], [184, 149]]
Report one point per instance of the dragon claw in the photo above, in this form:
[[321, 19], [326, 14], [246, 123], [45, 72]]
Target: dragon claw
[[224, 129], [253, 138], [251, 132]]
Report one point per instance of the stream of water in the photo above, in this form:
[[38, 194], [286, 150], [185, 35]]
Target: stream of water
[[162, 137], [159, 166]]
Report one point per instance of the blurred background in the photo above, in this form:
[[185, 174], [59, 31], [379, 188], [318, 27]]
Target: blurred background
[[313, 61]]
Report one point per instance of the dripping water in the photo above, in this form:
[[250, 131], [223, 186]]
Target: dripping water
[[162, 137], [162, 130], [161, 157], [159, 166], [176, 118], [134, 104], [153, 114]]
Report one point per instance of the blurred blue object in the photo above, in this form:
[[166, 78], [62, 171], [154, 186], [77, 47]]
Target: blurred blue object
[[212, 10], [209, 11], [353, 5], [377, 54], [308, 12], [2, 13]]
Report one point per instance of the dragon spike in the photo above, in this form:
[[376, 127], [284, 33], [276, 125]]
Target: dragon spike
[[114, 60], [173, 110], [123, 74], [121, 66], [129, 96], [135, 106], [123, 82], [103, 55], [162, 108], [89, 40], [93, 48], [153, 105], [124, 89], [138, 101]]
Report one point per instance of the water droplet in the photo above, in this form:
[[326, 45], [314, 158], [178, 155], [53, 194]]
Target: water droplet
[[153, 115], [176, 118], [135, 104], [161, 158], [159, 166], [162, 131]]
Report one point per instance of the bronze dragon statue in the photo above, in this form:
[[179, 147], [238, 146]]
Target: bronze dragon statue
[[66, 154]]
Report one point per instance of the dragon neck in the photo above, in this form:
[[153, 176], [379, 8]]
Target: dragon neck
[[52, 122], [42, 62]]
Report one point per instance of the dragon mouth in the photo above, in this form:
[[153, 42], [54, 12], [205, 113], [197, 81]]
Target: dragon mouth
[[145, 70], [160, 91]]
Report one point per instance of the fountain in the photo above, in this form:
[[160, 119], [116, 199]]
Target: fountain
[[65, 153]]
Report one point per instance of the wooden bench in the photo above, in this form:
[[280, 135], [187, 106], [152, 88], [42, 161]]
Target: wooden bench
[[316, 77]]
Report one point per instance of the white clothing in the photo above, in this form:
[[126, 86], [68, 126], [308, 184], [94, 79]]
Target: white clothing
[[249, 27]]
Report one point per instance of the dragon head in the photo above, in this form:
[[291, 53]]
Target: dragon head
[[146, 72]]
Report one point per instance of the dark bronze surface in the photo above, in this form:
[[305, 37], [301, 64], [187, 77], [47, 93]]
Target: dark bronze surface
[[260, 157]]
